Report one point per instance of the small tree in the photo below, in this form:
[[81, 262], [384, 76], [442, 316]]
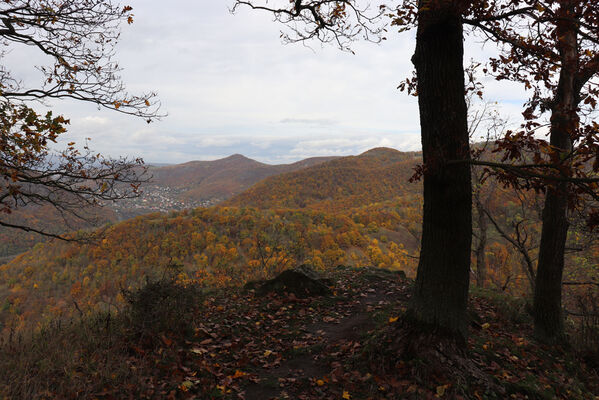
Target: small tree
[[551, 47], [485, 118], [78, 37]]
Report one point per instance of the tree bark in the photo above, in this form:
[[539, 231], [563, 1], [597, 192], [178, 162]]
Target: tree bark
[[481, 246], [548, 315], [441, 290]]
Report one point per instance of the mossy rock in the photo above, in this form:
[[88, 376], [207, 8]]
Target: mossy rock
[[302, 281], [376, 273]]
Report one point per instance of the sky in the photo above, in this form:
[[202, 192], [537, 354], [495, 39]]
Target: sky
[[230, 86]]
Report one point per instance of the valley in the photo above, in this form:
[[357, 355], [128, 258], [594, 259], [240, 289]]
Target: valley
[[356, 211], [170, 188], [359, 214]]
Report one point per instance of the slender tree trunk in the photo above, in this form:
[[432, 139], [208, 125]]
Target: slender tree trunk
[[441, 290], [548, 314], [481, 246]]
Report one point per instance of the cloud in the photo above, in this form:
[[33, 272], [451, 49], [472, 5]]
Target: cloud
[[93, 120], [230, 86], [309, 121], [218, 141], [357, 144]]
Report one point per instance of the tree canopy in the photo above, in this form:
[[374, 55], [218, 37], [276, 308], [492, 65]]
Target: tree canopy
[[78, 39]]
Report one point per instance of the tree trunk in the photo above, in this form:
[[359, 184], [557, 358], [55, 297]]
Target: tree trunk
[[441, 290], [481, 260], [548, 288], [548, 316]]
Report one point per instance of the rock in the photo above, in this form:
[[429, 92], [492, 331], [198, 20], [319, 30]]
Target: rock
[[301, 281], [377, 273]]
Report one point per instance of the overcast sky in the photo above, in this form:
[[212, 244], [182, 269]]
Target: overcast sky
[[230, 86]]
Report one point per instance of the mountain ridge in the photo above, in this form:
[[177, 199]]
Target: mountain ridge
[[222, 178], [378, 174], [173, 188]]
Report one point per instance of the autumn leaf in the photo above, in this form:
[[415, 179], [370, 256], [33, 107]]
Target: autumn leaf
[[441, 390], [238, 374], [186, 385], [346, 395]]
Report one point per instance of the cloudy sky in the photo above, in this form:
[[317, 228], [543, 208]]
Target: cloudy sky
[[230, 86]]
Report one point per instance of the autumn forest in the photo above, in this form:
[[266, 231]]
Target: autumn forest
[[468, 269]]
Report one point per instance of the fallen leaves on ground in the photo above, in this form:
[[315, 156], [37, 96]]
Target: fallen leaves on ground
[[277, 346]]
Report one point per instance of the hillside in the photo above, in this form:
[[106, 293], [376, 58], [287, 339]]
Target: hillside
[[358, 211], [204, 183], [172, 188], [377, 175], [213, 247], [355, 220]]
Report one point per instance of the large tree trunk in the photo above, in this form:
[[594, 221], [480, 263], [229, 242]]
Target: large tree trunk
[[548, 316], [441, 290]]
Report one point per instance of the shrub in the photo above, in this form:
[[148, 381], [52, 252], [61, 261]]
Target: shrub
[[586, 337], [161, 307], [65, 359]]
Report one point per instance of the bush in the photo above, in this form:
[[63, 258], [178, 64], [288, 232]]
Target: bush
[[586, 338], [161, 307], [65, 359], [79, 358]]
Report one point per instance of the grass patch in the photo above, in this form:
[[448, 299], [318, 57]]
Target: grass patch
[[58, 360], [513, 309]]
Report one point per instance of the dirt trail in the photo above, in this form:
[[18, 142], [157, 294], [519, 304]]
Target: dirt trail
[[312, 365]]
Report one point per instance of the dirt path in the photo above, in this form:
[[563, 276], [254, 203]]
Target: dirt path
[[312, 365]]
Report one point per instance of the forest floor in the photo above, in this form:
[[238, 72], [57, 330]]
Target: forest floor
[[278, 346]]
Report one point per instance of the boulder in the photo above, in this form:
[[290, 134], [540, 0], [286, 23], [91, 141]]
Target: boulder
[[301, 281]]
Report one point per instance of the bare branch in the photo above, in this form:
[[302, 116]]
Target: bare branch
[[339, 22]]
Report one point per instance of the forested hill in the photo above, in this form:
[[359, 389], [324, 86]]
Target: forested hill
[[216, 246], [377, 175], [223, 178], [172, 188], [359, 215]]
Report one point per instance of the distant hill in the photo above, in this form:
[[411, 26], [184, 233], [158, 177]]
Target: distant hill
[[377, 175], [173, 188], [221, 179]]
